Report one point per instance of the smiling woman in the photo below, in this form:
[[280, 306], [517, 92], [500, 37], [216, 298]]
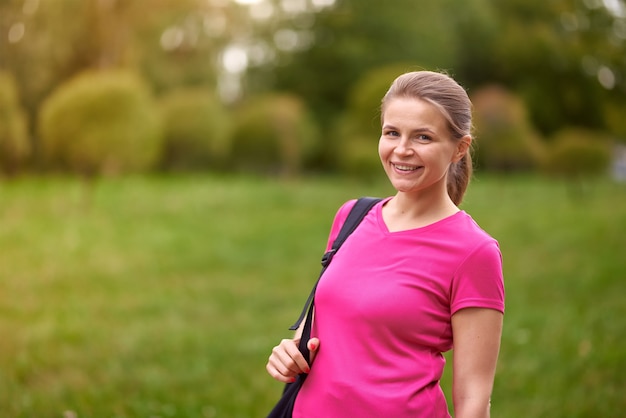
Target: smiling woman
[[416, 277], [416, 147], [443, 108]]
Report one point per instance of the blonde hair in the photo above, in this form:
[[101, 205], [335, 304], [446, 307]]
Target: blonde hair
[[452, 100]]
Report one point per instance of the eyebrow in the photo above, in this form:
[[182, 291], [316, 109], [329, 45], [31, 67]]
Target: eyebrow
[[418, 130]]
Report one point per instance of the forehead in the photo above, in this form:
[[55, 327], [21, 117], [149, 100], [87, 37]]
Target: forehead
[[413, 111]]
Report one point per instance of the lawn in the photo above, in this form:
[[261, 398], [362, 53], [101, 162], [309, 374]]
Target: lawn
[[162, 296]]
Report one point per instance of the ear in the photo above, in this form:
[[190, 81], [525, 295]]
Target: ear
[[461, 148]]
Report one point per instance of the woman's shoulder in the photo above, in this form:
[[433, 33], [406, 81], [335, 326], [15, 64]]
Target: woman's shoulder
[[340, 217], [346, 207], [471, 231]]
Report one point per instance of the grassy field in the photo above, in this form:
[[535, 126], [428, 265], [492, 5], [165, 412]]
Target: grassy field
[[162, 297]]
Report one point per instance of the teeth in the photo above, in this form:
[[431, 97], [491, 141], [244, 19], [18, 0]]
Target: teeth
[[405, 167]]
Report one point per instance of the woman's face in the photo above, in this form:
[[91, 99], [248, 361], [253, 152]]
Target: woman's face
[[416, 147]]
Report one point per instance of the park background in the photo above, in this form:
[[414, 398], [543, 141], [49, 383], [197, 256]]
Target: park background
[[170, 169]]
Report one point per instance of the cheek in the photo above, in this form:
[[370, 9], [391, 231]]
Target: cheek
[[449, 154], [381, 149]]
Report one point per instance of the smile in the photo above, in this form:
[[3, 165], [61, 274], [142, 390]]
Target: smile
[[407, 168]]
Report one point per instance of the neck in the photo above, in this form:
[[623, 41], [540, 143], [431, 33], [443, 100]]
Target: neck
[[409, 211]]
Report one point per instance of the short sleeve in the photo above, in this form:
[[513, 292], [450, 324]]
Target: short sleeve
[[338, 221], [479, 282]]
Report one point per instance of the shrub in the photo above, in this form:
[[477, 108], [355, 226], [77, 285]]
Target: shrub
[[14, 141], [100, 122], [576, 152], [358, 130], [274, 134], [357, 153], [197, 130], [506, 140]]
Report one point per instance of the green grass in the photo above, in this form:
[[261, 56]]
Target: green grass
[[162, 297]]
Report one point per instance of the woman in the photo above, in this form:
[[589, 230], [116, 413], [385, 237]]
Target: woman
[[417, 278]]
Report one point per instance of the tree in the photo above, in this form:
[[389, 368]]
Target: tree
[[565, 58], [176, 43], [355, 37]]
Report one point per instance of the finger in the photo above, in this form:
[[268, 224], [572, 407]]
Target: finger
[[300, 364], [283, 364], [277, 375], [313, 345], [287, 360]]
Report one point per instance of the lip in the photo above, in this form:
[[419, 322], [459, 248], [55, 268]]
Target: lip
[[406, 168]]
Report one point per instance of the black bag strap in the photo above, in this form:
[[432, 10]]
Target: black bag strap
[[284, 407], [356, 215]]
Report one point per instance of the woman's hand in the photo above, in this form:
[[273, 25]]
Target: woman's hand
[[286, 361]]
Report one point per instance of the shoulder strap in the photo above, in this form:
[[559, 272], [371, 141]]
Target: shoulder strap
[[356, 215]]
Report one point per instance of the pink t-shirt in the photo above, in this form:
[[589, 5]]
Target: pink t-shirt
[[382, 314]]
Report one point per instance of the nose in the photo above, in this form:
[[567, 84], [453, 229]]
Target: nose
[[403, 147]]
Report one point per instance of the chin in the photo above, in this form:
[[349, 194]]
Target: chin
[[402, 186]]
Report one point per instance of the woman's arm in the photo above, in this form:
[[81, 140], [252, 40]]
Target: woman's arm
[[476, 335]]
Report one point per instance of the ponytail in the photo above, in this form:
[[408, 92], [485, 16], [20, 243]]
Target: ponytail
[[459, 175]]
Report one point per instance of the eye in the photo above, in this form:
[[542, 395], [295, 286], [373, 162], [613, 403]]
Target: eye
[[423, 138], [391, 132]]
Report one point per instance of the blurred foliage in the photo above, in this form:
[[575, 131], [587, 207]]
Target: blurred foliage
[[505, 137], [614, 111], [553, 54], [356, 37], [176, 43], [578, 152], [100, 122], [14, 141], [356, 133], [274, 134], [533, 47], [565, 59], [197, 130]]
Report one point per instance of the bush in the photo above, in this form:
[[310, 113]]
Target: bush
[[358, 130], [614, 112], [506, 141], [14, 141], [101, 122], [197, 130], [576, 152], [357, 153], [274, 134]]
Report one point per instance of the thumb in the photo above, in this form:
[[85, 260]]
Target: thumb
[[313, 345]]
